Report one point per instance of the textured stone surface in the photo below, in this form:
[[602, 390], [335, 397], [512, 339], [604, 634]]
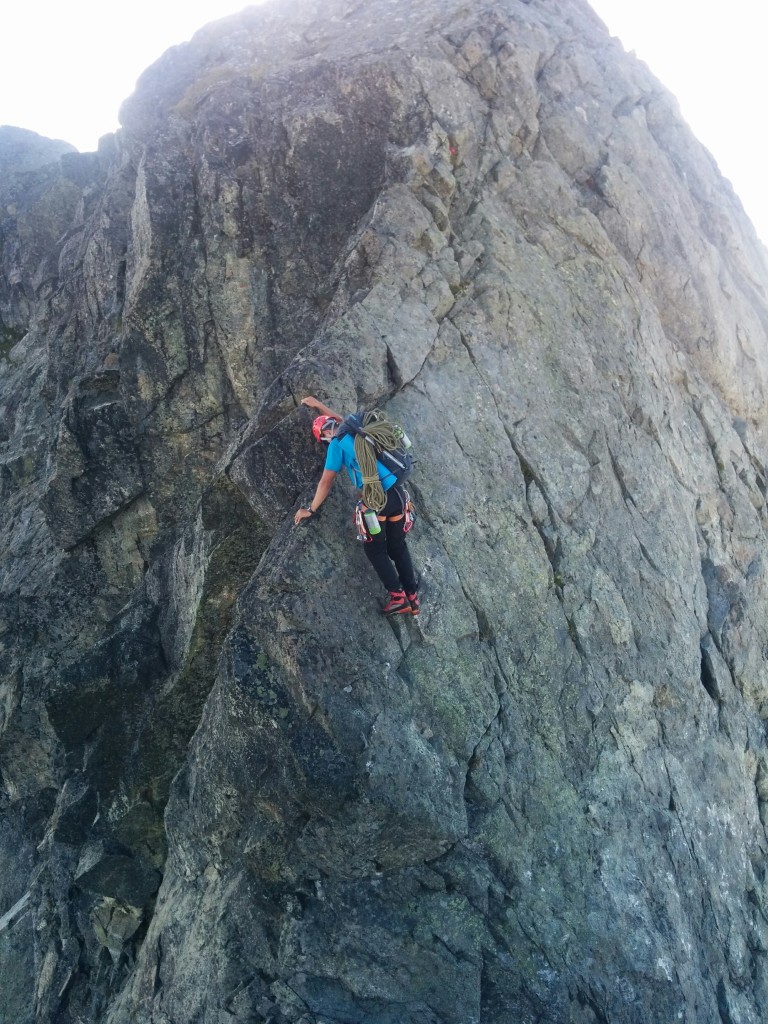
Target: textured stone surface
[[232, 792]]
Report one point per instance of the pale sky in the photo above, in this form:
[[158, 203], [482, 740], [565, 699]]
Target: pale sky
[[712, 56], [67, 65]]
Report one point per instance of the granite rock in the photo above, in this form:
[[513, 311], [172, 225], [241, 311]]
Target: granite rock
[[230, 790]]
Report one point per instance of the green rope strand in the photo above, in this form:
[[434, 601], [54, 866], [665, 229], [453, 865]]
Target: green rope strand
[[383, 434]]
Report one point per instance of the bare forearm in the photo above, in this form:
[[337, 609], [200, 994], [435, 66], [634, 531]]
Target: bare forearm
[[323, 489], [314, 403]]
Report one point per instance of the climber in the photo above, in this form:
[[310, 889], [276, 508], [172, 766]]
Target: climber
[[387, 551]]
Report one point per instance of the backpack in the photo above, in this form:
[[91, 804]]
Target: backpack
[[378, 439], [389, 441]]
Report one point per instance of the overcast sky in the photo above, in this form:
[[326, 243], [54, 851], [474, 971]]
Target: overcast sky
[[712, 57], [67, 65]]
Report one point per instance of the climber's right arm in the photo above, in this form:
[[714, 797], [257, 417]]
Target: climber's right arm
[[313, 403]]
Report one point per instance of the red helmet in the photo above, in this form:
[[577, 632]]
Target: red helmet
[[319, 425]]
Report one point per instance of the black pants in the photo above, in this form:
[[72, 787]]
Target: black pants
[[389, 547]]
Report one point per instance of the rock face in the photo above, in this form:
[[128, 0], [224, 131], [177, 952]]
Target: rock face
[[230, 791]]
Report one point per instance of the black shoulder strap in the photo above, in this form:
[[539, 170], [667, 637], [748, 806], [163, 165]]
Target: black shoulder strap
[[351, 424]]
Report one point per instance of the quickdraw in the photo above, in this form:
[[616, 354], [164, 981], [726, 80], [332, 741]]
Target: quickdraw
[[361, 531], [409, 511]]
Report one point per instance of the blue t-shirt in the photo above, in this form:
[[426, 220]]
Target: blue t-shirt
[[341, 452]]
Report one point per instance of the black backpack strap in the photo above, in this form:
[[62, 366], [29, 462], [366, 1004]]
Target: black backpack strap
[[351, 424]]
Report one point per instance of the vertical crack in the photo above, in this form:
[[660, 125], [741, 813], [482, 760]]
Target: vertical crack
[[551, 542], [626, 494], [709, 676]]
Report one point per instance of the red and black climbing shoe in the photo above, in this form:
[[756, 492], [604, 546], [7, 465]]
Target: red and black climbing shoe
[[413, 601], [398, 604]]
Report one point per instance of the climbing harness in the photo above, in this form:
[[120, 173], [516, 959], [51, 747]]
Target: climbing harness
[[368, 523]]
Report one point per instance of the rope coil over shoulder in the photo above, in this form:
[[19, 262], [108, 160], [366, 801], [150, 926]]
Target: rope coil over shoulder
[[378, 432]]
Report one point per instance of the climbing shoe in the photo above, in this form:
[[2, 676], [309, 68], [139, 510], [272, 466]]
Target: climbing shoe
[[398, 604], [413, 601]]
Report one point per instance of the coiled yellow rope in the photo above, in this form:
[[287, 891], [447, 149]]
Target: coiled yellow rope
[[383, 434]]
